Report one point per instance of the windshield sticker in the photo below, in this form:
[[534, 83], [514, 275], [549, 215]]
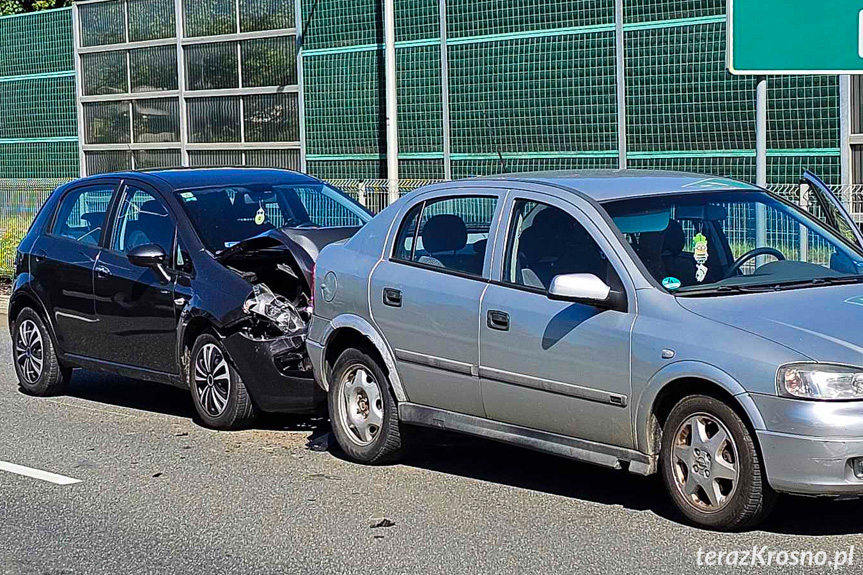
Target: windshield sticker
[[671, 283], [188, 197], [260, 216], [700, 248]]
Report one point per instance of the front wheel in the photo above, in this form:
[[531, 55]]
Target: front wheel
[[363, 411], [711, 466], [36, 365], [218, 392]]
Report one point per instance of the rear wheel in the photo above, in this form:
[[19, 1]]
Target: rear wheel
[[711, 466], [36, 365], [363, 411], [218, 392]]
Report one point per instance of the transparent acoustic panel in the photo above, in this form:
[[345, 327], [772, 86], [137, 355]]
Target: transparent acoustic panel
[[211, 66], [269, 62], [104, 162], [106, 123], [151, 20], [271, 118], [286, 159], [156, 120], [104, 73], [210, 17], [266, 15], [214, 119], [215, 158], [154, 69], [148, 159], [102, 23]]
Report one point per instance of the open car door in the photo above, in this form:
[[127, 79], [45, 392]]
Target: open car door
[[833, 212]]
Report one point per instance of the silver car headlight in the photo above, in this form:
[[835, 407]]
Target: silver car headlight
[[820, 381]]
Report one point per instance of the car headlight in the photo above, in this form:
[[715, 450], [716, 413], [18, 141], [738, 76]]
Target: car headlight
[[820, 381]]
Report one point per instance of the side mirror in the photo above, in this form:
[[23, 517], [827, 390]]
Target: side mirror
[[587, 289], [150, 256]]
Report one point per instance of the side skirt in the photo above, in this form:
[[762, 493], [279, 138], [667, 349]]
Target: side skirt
[[124, 370], [569, 447]]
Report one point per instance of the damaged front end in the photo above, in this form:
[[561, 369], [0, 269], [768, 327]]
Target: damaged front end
[[268, 346]]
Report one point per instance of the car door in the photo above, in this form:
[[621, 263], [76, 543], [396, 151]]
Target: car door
[[425, 295], [62, 261], [830, 209], [555, 366], [135, 305]]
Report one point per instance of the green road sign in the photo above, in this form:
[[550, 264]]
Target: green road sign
[[795, 36]]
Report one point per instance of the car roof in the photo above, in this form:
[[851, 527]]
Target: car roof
[[180, 178], [609, 185]]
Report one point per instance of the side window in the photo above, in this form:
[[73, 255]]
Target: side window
[[81, 216], [450, 233], [544, 242], [183, 261], [142, 220]]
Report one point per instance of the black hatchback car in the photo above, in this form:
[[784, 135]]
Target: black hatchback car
[[199, 278]]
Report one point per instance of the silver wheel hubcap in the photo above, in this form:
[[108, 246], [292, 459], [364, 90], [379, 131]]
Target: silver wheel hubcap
[[361, 407], [212, 380], [29, 351], [706, 467]]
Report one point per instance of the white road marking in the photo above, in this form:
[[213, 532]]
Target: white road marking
[[37, 474]]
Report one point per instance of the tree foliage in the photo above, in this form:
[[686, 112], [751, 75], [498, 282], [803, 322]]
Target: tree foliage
[[21, 6]]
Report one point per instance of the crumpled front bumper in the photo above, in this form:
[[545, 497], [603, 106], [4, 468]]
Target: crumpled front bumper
[[276, 372], [808, 445]]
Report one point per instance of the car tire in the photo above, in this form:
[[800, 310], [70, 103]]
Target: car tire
[[363, 411], [36, 364], [218, 392], [711, 466]]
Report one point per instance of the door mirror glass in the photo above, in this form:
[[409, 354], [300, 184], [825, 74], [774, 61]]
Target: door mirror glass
[[579, 287], [147, 256]]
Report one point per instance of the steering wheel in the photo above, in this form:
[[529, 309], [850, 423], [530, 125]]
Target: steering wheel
[[764, 251]]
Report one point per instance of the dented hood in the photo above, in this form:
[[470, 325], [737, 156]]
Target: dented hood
[[304, 244]]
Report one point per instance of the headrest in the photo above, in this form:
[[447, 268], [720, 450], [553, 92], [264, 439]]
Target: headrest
[[93, 219], [675, 239], [444, 233], [650, 244], [152, 208]]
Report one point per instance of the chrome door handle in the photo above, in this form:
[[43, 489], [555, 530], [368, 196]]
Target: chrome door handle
[[103, 271], [498, 320]]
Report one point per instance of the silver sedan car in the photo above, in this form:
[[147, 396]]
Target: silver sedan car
[[698, 327]]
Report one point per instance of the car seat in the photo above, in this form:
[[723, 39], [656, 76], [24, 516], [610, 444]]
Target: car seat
[[675, 261], [444, 235], [153, 226]]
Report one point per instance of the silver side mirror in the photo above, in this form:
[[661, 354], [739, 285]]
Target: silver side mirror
[[588, 289]]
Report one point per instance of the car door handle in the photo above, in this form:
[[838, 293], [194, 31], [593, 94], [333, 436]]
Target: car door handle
[[498, 320], [392, 297], [103, 272]]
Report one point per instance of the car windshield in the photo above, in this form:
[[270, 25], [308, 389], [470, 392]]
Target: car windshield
[[729, 242], [226, 215]]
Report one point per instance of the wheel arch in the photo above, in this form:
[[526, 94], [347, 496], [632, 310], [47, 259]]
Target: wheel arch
[[346, 330], [22, 299], [682, 379]]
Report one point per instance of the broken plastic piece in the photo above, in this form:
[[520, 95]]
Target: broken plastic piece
[[276, 309]]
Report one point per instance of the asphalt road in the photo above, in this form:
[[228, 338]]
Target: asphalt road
[[158, 493]]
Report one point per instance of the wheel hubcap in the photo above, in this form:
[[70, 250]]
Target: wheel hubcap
[[361, 408], [212, 380], [704, 458], [29, 351]]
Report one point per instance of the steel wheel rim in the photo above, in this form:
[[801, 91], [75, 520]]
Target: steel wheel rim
[[361, 405], [212, 379], [29, 351], [705, 463]]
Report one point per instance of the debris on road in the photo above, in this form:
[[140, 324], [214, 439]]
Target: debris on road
[[159, 474], [321, 442], [376, 522]]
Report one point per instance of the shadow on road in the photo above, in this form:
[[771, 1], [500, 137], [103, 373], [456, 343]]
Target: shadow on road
[[494, 462], [159, 398]]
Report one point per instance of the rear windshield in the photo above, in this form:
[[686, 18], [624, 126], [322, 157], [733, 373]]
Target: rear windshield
[[225, 216]]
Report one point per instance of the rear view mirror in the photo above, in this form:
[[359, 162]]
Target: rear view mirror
[[587, 289], [149, 256]]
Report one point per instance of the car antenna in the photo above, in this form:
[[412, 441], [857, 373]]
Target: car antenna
[[503, 167]]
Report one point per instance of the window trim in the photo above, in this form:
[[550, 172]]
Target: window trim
[[108, 243], [499, 199], [82, 187]]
